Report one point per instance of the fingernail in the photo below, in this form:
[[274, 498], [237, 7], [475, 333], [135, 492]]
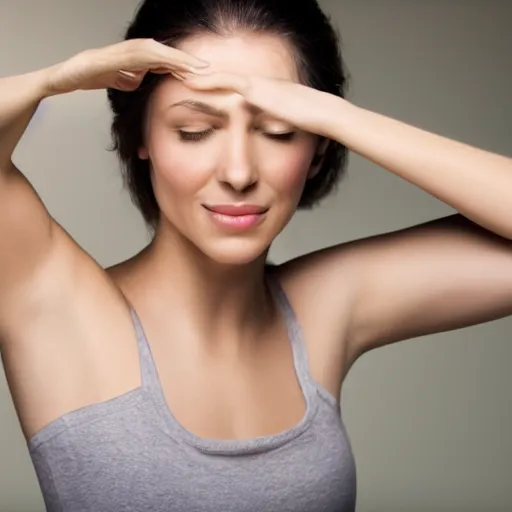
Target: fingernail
[[127, 74]]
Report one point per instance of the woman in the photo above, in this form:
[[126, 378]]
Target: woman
[[194, 376]]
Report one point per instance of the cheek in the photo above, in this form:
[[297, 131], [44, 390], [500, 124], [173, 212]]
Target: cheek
[[178, 170], [288, 170]]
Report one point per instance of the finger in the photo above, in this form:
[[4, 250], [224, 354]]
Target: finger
[[126, 81], [139, 56], [168, 71], [129, 75], [219, 81], [179, 71], [178, 76], [178, 58]]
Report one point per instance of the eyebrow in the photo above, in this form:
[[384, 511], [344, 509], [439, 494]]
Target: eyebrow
[[201, 107], [210, 110]]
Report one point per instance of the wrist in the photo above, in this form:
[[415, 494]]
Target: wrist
[[339, 113], [42, 84]]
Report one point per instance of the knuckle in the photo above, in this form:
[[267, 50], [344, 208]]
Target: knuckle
[[138, 46], [151, 44], [145, 46], [174, 55]]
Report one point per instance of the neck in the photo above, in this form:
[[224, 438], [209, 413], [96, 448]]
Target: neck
[[222, 301]]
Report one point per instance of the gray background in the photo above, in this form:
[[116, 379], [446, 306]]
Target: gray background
[[430, 419]]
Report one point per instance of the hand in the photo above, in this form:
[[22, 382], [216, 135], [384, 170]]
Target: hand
[[305, 108], [120, 66]]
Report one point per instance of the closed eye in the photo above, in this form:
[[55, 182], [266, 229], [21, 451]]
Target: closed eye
[[283, 137], [188, 136], [196, 136]]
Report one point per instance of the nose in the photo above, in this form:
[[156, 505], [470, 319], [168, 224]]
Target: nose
[[237, 170]]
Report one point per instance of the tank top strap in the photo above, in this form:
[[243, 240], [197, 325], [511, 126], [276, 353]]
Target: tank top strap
[[295, 336], [149, 373]]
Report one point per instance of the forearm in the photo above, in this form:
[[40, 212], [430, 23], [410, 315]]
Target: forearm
[[475, 182], [19, 98]]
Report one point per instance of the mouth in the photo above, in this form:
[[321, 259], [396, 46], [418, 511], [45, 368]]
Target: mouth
[[233, 210], [242, 216]]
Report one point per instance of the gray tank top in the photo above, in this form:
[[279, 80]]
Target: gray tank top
[[130, 454]]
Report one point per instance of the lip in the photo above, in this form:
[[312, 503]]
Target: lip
[[234, 210], [236, 217]]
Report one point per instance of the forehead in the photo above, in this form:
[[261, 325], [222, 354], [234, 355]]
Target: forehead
[[246, 53]]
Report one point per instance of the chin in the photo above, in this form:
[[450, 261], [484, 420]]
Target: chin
[[235, 252]]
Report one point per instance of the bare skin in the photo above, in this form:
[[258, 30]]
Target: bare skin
[[220, 345]]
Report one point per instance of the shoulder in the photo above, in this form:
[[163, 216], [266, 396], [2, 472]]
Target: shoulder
[[432, 277], [320, 281], [322, 305]]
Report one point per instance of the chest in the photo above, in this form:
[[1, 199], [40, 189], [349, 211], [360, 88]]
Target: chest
[[253, 392], [238, 394], [129, 459]]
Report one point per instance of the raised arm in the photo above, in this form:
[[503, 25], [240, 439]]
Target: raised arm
[[25, 226], [442, 275], [29, 239]]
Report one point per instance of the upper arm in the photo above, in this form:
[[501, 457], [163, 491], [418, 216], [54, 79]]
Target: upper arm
[[26, 235], [438, 276]]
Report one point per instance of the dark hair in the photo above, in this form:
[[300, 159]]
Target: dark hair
[[301, 22]]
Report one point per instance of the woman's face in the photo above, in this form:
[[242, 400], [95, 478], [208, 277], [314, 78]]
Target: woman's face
[[226, 176]]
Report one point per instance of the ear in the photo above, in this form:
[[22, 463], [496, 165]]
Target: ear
[[143, 153], [318, 159]]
